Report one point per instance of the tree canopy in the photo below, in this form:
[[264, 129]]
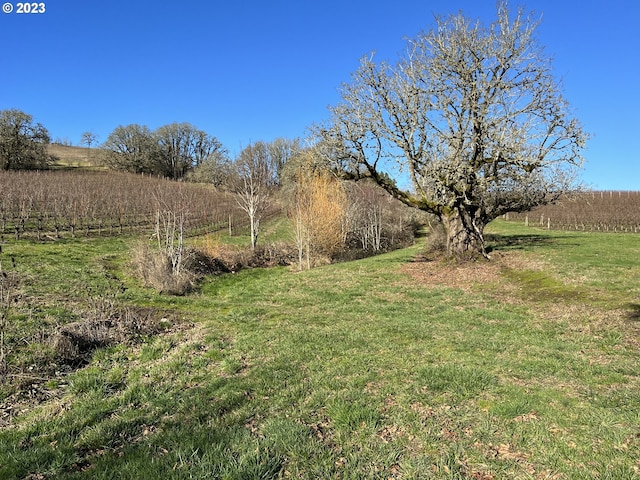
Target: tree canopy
[[22, 142], [473, 115], [172, 150]]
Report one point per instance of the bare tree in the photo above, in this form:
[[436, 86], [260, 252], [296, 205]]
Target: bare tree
[[22, 143], [474, 116], [256, 180], [282, 150], [88, 139], [171, 150]]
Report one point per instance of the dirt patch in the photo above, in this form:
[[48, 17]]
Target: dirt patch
[[467, 276]]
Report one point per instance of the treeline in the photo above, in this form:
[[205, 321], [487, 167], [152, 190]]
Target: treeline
[[171, 151], [330, 218]]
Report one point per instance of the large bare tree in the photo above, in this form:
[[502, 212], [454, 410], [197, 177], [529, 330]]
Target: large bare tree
[[475, 117]]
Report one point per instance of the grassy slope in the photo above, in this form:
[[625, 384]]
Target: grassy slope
[[355, 370], [73, 156]]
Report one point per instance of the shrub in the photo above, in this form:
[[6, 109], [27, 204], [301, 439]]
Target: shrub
[[201, 263], [155, 269]]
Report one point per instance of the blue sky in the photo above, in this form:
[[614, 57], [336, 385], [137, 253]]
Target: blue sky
[[258, 70]]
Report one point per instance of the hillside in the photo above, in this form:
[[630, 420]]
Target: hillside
[[74, 156]]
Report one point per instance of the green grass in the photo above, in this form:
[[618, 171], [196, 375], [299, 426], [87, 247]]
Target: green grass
[[272, 230], [352, 370]]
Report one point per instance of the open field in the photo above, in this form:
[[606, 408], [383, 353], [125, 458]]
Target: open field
[[388, 367]]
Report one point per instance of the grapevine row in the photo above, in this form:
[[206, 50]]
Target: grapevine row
[[595, 211], [59, 203]]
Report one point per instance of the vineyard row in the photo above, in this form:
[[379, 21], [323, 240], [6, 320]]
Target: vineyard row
[[611, 211], [54, 204]]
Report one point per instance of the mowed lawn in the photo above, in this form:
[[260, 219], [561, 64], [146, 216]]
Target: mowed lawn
[[388, 367]]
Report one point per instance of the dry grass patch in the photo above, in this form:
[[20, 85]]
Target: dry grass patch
[[468, 276]]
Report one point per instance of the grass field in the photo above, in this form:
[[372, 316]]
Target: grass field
[[387, 367]]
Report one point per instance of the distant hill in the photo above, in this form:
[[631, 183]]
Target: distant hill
[[74, 156]]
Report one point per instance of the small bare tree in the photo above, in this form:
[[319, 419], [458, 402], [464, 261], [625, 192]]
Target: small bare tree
[[164, 268], [255, 183], [474, 116], [170, 236], [88, 139]]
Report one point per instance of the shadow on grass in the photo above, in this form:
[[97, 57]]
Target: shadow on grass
[[496, 241], [634, 311]]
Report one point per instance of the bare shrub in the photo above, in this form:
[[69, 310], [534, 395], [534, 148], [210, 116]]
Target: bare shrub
[[226, 259], [156, 269], [201, 263], [318, 211], [75, 341], [273, 255]]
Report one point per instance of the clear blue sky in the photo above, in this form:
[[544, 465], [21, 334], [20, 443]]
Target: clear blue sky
[[257, 70]]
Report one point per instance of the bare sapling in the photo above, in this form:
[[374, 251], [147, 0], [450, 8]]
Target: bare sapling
[[318, 214], [163, 266], [170, 237]]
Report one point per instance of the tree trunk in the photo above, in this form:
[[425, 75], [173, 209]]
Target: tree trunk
[[465, 236], [255, 229], [253, 232]]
